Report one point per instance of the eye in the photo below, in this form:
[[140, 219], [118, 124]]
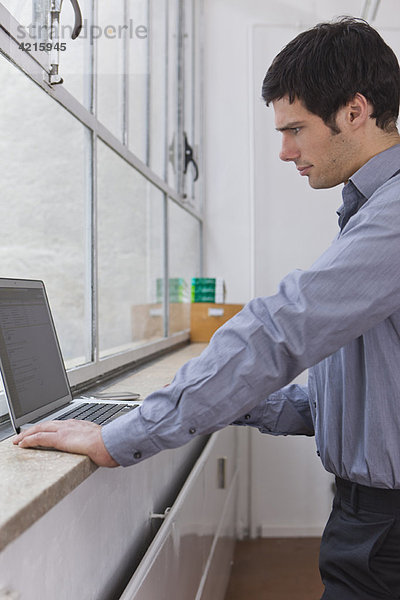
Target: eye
[[295, 130]]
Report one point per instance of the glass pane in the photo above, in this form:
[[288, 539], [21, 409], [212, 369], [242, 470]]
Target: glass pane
[[110, 65], [148, 69], [74, 56], [32, 16], [42, 204], [139, 79], [197, 109], [184, 263], [189, 70], [130, 255], [158, 87], [75, 60], [192, 96], [22, 10], [172, 126]]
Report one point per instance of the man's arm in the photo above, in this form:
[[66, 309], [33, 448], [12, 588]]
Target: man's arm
[[353, 286], [285, 412]]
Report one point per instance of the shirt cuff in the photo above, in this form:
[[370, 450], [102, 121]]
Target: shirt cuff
[[127, 440], [254, 417]]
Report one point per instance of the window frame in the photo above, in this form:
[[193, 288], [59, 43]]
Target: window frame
[[33, 65]]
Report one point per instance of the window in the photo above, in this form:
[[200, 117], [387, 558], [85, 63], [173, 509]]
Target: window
[[130, 253], [184, 263], [43, 204], [94, 197]]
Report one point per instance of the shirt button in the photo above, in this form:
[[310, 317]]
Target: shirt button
[[192, 430], [137, 455], [318, 453], [247, 417]]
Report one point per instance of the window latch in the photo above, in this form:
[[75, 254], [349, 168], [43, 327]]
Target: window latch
[[55, 10], [190, 159]]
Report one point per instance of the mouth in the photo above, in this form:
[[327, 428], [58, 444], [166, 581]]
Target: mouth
[[304, 170]]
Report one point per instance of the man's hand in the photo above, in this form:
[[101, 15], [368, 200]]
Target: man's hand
[[79, 437]]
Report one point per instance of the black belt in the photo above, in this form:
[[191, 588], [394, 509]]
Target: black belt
[[380, 500]]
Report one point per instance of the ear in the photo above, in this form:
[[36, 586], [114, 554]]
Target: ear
[[357, 111]]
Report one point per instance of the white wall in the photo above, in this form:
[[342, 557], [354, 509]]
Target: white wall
[[263, 221]]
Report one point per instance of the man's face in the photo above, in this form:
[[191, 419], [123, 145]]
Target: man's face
[[326, 158]]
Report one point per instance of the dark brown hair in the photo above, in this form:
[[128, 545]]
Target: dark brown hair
[[327, 65]]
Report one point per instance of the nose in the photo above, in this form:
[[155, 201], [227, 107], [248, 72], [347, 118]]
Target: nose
[[289, 150]]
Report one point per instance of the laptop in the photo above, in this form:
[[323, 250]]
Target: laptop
[[32, 368]]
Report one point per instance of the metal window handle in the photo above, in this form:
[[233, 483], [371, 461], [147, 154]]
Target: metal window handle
[[78, 19], [161, 515], [189, 158], [55, 9]]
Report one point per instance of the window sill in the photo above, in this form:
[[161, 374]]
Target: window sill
[[33, 481]]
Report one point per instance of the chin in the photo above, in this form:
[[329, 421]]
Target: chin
[[322, 185], [316, 185]]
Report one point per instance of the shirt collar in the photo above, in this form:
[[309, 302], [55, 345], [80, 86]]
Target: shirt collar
[[367, 180]]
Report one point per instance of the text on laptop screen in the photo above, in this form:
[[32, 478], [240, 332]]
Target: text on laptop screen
[[31, 364]]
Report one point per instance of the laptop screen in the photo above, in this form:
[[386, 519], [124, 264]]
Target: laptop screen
[[31, 363]]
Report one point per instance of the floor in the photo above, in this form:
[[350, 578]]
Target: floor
[[275, 569]]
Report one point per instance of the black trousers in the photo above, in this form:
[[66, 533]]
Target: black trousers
[[360, 548]]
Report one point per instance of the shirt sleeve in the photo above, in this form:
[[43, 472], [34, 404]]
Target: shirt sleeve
[[285, 412], [353, 286]]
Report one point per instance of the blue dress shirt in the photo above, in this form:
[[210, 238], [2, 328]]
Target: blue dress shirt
[[340, 319]]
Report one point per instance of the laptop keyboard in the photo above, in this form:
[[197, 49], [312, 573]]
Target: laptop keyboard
[[97, 413]]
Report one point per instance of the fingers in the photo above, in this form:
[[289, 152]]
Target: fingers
[[44, 439], [48, 426], [45, 435]]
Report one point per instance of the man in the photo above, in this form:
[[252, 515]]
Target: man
[[335, 91]]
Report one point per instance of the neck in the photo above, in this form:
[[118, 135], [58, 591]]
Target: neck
[[389, 139], [380, 142], [376, 144]]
